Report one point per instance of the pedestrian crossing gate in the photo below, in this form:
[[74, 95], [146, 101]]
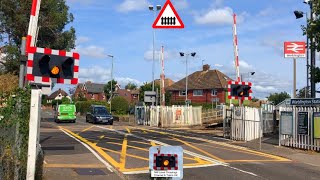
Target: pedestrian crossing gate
[[166, 162]]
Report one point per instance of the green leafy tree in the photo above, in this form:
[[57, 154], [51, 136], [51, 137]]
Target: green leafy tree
[[312, 30], [254, 99], [65, 100], [147, 87], [278, 97], [53, 18], [304, 93], [107, 88], [131, 86], [120, 105]]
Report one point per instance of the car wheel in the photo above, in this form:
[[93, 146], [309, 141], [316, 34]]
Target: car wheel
[[111, 123]]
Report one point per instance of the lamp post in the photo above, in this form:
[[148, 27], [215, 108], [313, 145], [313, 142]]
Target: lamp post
[[151, 8], [299, 14], [111, 56], [193, 55], [249, 73]]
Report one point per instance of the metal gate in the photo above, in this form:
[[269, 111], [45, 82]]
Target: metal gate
[[227, 124], [141, 114]]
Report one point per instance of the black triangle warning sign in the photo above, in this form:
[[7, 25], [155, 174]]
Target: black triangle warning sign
[[168, 17]]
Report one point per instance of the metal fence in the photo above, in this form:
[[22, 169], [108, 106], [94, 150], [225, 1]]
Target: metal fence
[[300, 127], [168, 116]]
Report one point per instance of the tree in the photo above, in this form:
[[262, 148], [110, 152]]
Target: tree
[[131, 86], [312, 30], [53, 18], [120, 105], [277, 98], [254, 99], [107, 88], [147, 87], [304, 93]]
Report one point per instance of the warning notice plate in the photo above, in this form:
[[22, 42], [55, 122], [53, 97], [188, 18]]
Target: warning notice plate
[[168, 173]]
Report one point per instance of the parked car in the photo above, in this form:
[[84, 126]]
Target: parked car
[[99, 114], [65, 113]]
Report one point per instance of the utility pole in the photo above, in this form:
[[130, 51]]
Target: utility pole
[[23, 61], [313, 56], [294, 78], [111, 89]]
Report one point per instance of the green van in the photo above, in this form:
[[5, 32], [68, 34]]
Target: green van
[[65, 113]]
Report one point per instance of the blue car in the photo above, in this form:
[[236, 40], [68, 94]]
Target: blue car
[[99, 114]]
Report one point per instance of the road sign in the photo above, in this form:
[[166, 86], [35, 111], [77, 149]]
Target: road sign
[[168, 17], [150, 96], [294, 49], [166, 161], [239, 90], [45, 64]]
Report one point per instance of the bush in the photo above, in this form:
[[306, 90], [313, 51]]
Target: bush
[[15, 109], [120, 105], [83, 106]]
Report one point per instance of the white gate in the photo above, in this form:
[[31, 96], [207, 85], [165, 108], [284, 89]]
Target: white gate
[[245, 124]]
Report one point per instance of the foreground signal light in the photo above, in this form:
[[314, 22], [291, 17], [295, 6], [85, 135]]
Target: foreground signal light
[[166, 163], [55, 70]]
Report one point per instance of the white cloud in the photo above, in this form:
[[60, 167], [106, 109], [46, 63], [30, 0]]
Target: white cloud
[[132, 5], [266, 12], [92, 51], [168, 55], [218, 65], [102, 75], [220, 16], [82, 39]]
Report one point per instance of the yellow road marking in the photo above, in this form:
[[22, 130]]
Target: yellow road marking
[[153, 143], [226, 145], [128, 130], [86, 129], [95, 147], [136, 169], [142, 149], [250, 160], [74, 166], [140, 142], [112, 138], [204, 152], [123, 153], [129, 155]]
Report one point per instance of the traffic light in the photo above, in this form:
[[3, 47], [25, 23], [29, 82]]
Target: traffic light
[[53, 66], [239, 90], [166, 162]]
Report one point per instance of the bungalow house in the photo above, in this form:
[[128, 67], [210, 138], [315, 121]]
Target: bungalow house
[[203, 87], [58, 95], [90, 91]]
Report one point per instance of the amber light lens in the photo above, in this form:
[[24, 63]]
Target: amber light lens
[[166, 163], [55, 70]]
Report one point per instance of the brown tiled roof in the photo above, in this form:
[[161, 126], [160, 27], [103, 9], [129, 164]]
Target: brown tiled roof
[[211, 79], [126, 93], [56, 93], [167, 82]]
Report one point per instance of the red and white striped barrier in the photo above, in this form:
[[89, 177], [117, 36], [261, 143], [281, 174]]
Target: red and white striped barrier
[[235, 44], [42, 80], [33, 24], [239, 83]]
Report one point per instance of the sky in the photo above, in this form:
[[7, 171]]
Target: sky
[[123, 28]]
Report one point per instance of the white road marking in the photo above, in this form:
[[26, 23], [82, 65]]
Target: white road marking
[[109, 167], [185, 151]]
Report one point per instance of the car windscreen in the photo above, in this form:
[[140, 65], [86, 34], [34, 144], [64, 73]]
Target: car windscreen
[[100, 111]]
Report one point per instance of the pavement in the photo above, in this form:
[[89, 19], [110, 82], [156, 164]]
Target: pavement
[[121, 151]]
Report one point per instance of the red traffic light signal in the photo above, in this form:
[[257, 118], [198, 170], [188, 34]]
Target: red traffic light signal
[[239, 90], [44, 64]]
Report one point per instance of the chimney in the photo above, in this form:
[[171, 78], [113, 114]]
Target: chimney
[[89, 82], [206, 67]]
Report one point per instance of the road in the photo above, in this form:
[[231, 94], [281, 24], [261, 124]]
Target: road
[[120, 151]]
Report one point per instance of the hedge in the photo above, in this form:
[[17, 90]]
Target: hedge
[[83, 106], [120, 105]]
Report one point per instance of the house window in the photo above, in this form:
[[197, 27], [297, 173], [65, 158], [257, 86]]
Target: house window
[[214, 92], [182, 93], [135, 96], [197, 92]]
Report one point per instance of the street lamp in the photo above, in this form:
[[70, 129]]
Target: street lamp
[[111, 56], [151, 8], [249, 73], [300, 14], [193, 55]]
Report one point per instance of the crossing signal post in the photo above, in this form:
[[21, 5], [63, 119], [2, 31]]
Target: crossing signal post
[[239, 90]]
